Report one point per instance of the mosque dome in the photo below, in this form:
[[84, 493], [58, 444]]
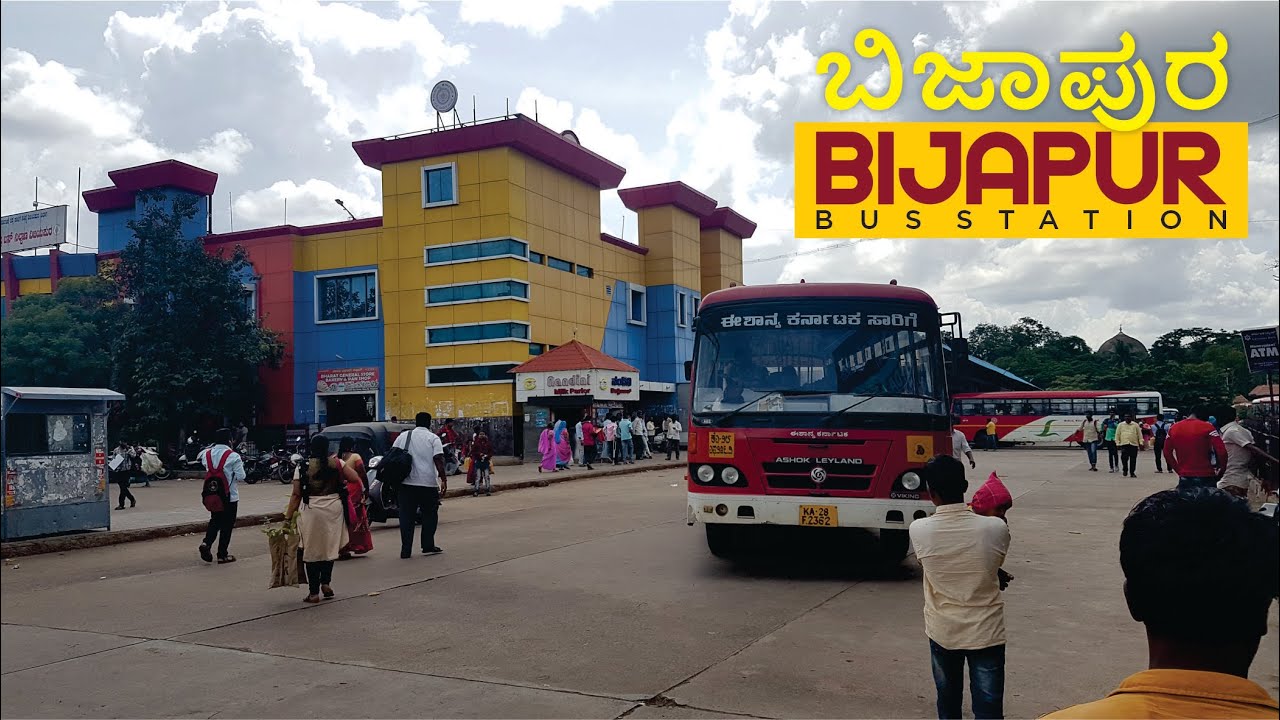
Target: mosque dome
[[1135, 346]]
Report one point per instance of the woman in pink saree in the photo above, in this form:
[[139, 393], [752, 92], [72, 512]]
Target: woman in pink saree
[[547, 446], [564, 451]]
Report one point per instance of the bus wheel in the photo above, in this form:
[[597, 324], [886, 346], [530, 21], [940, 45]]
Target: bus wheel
[[894, 545], [723, 540]]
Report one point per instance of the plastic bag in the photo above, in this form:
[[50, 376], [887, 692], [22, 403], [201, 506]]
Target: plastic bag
[[151, 464]]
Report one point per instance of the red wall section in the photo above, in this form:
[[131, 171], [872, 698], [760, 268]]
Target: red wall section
[[272, 259]]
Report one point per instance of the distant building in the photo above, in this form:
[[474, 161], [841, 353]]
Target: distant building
[[1119, 340]]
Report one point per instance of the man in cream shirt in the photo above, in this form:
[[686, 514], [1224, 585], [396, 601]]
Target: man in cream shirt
[[961, 553]]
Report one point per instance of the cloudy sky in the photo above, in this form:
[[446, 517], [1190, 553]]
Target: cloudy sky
[[271, 96]]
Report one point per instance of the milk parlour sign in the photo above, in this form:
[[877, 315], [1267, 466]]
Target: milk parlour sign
[[585, 384]]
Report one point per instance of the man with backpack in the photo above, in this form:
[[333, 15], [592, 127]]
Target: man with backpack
[[420, 489], [224, 469], [1160, 433]]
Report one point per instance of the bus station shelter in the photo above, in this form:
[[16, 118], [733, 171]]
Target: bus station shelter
[[53, 449]]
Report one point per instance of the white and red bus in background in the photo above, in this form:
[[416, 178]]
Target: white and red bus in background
[[1049, 418], [814, 405]]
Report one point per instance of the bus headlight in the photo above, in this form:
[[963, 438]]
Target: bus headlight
[[730, 475], [911, 481], [706, 473]]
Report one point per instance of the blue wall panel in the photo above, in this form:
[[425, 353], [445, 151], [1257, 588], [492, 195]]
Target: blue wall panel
[[329, 346], [78, 264], [669, 345], [113, 232], [623, 340]]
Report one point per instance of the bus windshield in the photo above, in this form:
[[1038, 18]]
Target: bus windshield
[[825, 358]]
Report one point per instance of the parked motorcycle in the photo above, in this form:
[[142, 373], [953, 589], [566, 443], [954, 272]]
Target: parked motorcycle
[[452, 460], [191, 461]]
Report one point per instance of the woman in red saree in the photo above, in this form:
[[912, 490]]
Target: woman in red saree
[[361, 540]]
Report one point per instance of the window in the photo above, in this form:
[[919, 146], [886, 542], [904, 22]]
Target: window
[[536, 258], [682, 312], [251, 299], [439, 185], [636, 311], [696, 303], [471, 374], [586, 272], [46, 434], [478, 292], [1083, 406], [535, 349], [346, 297], [472, 251], [559, 264], [481, 332]]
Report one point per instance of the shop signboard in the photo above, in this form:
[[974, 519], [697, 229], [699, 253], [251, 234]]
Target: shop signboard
[[1262, 349], [345, 380], [586, 384], [45, 227]]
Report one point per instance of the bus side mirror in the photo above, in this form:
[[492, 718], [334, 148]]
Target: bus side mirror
[[688, 370], [959, 346]]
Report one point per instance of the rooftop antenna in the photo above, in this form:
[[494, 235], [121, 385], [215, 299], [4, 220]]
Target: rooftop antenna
[[286, 211], [624, 226], [231, 212], [444, 98], [77, 209]]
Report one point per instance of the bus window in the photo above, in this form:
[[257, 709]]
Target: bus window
[[1060, 407], [1033, 406], [1148, 406], [1084, 407]]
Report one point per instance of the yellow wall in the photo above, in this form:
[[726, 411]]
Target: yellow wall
[[331, 251], [35, 286], [721, 260], [673, 238]]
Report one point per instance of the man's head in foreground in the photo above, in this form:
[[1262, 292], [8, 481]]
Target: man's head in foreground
[[1200, 572]]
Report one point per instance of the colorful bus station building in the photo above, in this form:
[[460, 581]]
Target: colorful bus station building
[[489, 252]]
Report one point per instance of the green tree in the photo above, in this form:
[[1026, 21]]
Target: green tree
[[189, 348], [63, 339]]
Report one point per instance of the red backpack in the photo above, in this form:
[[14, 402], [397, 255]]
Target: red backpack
[[215, 493]]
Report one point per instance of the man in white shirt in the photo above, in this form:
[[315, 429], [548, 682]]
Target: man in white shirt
[[1238, 479], [421, 490], [961, 553], [222, 523], [960, 444]]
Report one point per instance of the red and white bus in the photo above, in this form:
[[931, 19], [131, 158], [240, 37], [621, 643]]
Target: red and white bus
[[814, 405], [1049, 418]]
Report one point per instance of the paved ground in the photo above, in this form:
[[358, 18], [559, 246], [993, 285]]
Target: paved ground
[[587, 599], [174, 502]]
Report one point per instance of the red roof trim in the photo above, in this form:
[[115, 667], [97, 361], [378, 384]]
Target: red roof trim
[[107, 198], [619, 242], [1045, 394], [295, 230], [166, 173], [519, 132], [573, 355], [671, 193], [725, 218], [867, 291]]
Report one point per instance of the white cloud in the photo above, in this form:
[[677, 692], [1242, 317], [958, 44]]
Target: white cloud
[[310, 203], [537, 18]]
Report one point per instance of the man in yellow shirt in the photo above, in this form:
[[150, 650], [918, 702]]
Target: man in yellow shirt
[[1129, 440], [1200, 572]]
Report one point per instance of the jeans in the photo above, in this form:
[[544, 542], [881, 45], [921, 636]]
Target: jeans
[[1129, 458], [588, 454], [319, 573], [1113, 454], [1091, 449], [1159, 455], [992, 442], [986, 680], [628, 449], [673, 446], [413, 498], [1188, 482], [220, 526]]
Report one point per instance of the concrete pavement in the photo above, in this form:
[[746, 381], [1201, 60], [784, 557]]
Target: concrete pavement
[[578, 600]]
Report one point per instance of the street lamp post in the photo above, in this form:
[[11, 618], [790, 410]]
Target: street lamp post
[[344, 207]]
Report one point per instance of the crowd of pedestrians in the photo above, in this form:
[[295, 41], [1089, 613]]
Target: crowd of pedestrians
[[1192, 447]]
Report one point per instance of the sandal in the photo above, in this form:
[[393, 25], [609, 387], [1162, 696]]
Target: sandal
[[328, 591], [227, 559], [312, 599]]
